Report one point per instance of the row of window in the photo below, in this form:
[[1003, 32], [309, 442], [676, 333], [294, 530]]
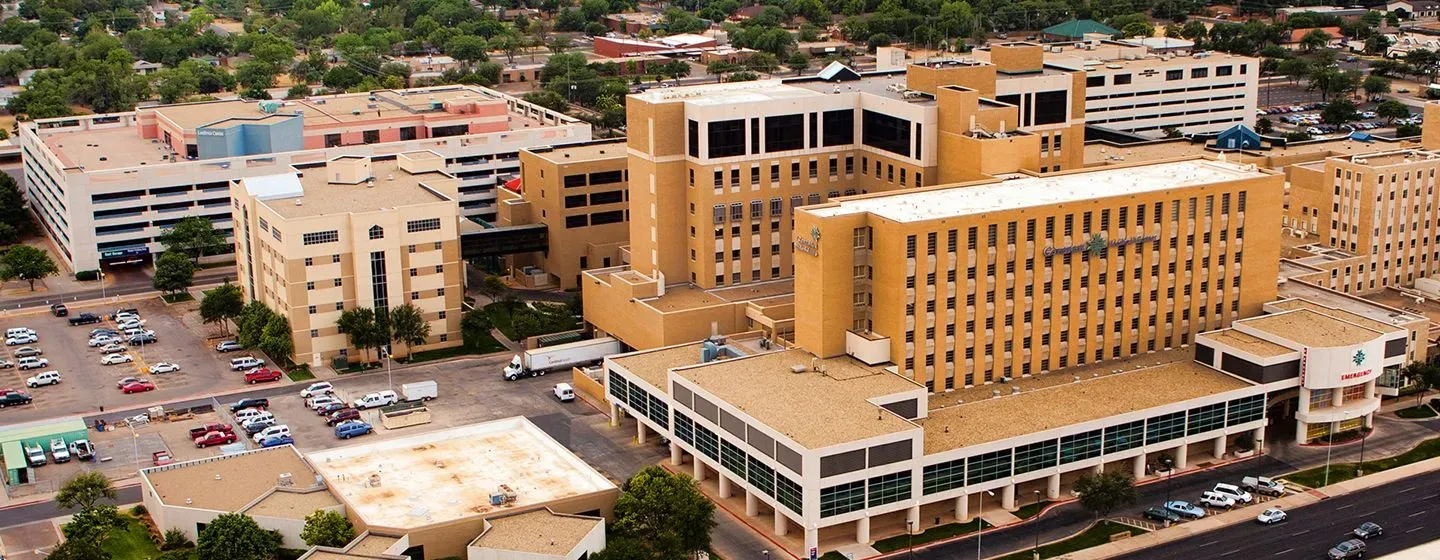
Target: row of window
[[734, 459], [782, 133], [854, 496], [1186, 101], [1175, 114], [596, 219]]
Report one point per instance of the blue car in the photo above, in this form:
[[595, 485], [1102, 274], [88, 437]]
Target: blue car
[[1185, 509], [276, 441], [347, 430]]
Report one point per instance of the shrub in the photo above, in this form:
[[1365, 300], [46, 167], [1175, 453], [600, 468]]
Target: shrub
[[139, 510], [175, 539], [1246, 442], [87, 275]]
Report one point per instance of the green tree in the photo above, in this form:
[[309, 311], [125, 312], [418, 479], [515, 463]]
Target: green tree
[[174, 84], [175, 539], [1294, 68], [493, 287], [1339, 111], [1375, 85], [1105, 492], [173, 272], [85, 490], [277, 340], [342, 77], [222, 304], [1407, 130], [798, 62], [468, 48], [1377, 45], [1264, 125], [85, 534], [362, 329], [327, 528], [408, 326], [1422, 376], [256, 74], [194, 235], [26, 263], [1391, 110], [665, 514], [235, 536], [1315, 39], [251, 325], [12, 208], [8, 234]]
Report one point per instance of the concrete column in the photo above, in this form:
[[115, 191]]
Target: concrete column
[[1370, 420], [782, 523], [724, 486], [614, 415], [812, 538], [1099, 467], [1007, 497], [1138, 468], [1337, 397], [1219, 450], [699, 475], [752, 505], [1052, 488], [1302, 404], [1182, 456], [1370, 392], [1300, 431], [640, 432], [677, 457], [962, 508], [862, 530], [1259, 437], [912, 519]]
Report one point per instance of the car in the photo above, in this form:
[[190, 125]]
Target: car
[[112, 348], [1160, 514], [82, 449], [247, 362], [275, 430], [316, 403], [315, 389], [140, 386], [1233, 492], [112, 359], [124, 311], [347, 430], [34, 363], [147, 337], [1353, 548], [1217, 500], [258, 423], [125, 381], [263, 375], [19, 339], [1262, 485], [216, 427], [51, 377], [227, 346], [6, 364], [161, 458], [214, 438], [376, 399], [28, 351], [1185, 509], [564, 392], [84, 319], [14, 398], [103, 330], [331, 407], [1368, 530], [1402, 90], [341, 415], [59, 450], [274, 441], [34, 455], [1367, 115], [18, 331], [1271, 516], [59, 310], [243, 404], [165, 367], [130, 323]]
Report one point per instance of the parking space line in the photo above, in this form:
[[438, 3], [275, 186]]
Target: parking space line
[[1417, 514], [1415, 529], [1231, 552]]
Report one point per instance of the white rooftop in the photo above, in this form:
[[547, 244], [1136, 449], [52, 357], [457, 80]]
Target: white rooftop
[[728, 94], [1030, 191], [270, 187]]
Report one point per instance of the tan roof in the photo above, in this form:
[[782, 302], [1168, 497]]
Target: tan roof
[[106, 148], [322, 197], [1247, 343], [537, 532], [373, 544], [585, 152], [654, 366], [242, 477], [1334, 313], [688, 297], [1055, 400], [1311, 328], [292, 505], [323, 110], [818, 409]]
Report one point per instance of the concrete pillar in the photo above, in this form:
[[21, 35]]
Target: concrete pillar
[[962, 508], [1219, 450], [1370, 392], [1337, 397], [640, 432], [1300, 431], [1099, 468], [1007, 497], [1138, 468], [677, 457], [752, 505], [699, 475], [912, 519], [724, 486], [1182, 456], [862, 530], [812, 538], [1052, 487], [782, 523], [614, 415]]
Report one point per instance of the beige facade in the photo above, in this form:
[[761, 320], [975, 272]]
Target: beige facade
[[579, 192], [355, 232]]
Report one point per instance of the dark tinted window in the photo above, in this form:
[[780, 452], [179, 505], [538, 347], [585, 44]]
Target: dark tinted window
[[694, 139], [839, 127], [1095, 81], [785, 132], [727, 138], [1122, 79], [1050, 107], [886, 132], [603, 177]]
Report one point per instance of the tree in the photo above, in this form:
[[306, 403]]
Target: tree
[[1103, 493], [194, 235], [1407, 130], [1294, 68], [1422, 375], [665, 514], [175, 539], [327, 528], [1315, 39], [276, 339], [174, 84], [253, 318], [1375, 85], [1377, 45], [493, 287], [222, 304], [408, 326], [1339, 111], [173, 273], [1391, 109], [12, 209], [798, 62], [235, 536], [342, 77], [468, 48], [1264, 125], [85, 490], [362, 329], [85, 533], [26, 263]]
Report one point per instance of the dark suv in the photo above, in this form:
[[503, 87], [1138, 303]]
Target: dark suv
[[59, 310], [341, 416], [14, 398], [84, 319], [243, 404]]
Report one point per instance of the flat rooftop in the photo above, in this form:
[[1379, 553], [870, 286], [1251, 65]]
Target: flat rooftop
[[1055, 400], [1030, 191], [584, 152], [1386, 159], [106, 148], [1246, 342], [734, 93], [445, 475], [1341, 314], [680, 298], [539, 532], [293, 505], [873, 84], [1097, 152], [1388, 306], [1311, 328], [653, 366], [243, 478], [393, 188], [818, 409]]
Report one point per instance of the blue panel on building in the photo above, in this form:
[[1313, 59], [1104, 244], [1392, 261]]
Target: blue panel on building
[[243, 137]]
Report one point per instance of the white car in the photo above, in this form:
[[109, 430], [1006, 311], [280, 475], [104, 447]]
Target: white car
[[18, 339], [112, 348], [131, 324], [1217, 500], [165, 367], [317, 402], [272, 431], [112, 359], [1233, 492], [317, 389], [1271, 516], [47, 378], [104, 340]]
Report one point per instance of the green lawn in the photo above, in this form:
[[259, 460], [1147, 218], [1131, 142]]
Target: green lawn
[[1029, 510], [500, 314], [939, 532], [131, 542], [300, 374], [178, 297], [1340, 472], [1094, 536], [1422, 411]]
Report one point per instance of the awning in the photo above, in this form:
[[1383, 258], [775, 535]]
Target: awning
[[14, 456]]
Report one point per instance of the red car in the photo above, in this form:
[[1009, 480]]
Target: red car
[[214, 438], [263, 375], [202, 430], [137, 386], [161, 458]]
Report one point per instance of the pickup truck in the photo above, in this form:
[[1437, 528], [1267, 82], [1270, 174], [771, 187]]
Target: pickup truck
[[84, 319], [1262, 485], [263, 375], [161, 458], [372, 400], [14, 398], [35, 455], [59, 450], [215, 438], [202, 430]]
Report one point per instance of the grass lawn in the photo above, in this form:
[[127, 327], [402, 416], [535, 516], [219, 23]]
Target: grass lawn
[[1029, 510], [1422, 411], [1094, 536], [500, 314], [1339, 472], [177, 298], [300, 374], [484, 343], [131, 542], [939, 532]]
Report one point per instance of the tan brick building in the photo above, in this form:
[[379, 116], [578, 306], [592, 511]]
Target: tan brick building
[[351, 232]]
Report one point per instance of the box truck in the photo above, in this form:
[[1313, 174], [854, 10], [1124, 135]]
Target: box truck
[[550, 358]]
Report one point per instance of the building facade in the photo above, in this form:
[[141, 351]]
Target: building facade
[[352, 232]]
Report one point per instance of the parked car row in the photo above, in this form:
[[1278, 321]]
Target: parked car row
[[344, 417], [1221, 496], [259, 424], [60, 452], [1282, 109]]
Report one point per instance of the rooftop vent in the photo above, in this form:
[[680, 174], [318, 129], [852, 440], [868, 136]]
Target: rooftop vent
[[1015, 390], [995, 394], [374, 481], [286, 479], [798, 368]]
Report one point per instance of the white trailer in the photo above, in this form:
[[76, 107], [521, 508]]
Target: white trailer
[[544, 360], [419, 391]]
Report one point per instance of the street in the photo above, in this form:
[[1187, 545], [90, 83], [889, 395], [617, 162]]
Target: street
[[1400, 508]]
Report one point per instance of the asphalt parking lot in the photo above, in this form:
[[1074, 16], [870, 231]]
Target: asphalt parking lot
[[87, 386]]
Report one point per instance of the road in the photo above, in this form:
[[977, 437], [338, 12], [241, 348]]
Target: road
[[30, 513], [1401, 508], [202, 278]]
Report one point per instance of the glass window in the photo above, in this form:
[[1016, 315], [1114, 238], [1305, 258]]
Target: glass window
[[1124, 436], [684, 428], [727, 138], [788, 492], [940, 477], [732, 458], [706, 442], [760, 476], [619, 388], [1036, 456], [659, 411], [843, 498], [890, 488], [639, 400], [428, 224], [1206, 418], [987, 467], [839, 127], [1246, 409], [1320, 398], [784, 132], [1080, 446], [316, 238], [1165, 427], [885, 132]]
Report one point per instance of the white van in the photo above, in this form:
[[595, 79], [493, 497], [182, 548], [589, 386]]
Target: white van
[[250, 414], [31, 362], [564, 392], [272, 431]]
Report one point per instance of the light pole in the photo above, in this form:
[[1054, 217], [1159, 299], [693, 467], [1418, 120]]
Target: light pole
[[910, 536], [1330, 447], [389, 374], [980, 524], [1360, 467], [102, 283], [1036, 553]]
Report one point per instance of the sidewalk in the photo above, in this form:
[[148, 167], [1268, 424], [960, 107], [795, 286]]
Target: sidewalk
[[1247, 515]]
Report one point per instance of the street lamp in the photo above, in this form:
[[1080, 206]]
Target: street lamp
[[980, 523], [1360, 467], [1169, 472], [389, 375], [910, 536], [1330, 447], [1036, 553]]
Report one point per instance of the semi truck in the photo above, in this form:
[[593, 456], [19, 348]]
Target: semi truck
[[550, 358]]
